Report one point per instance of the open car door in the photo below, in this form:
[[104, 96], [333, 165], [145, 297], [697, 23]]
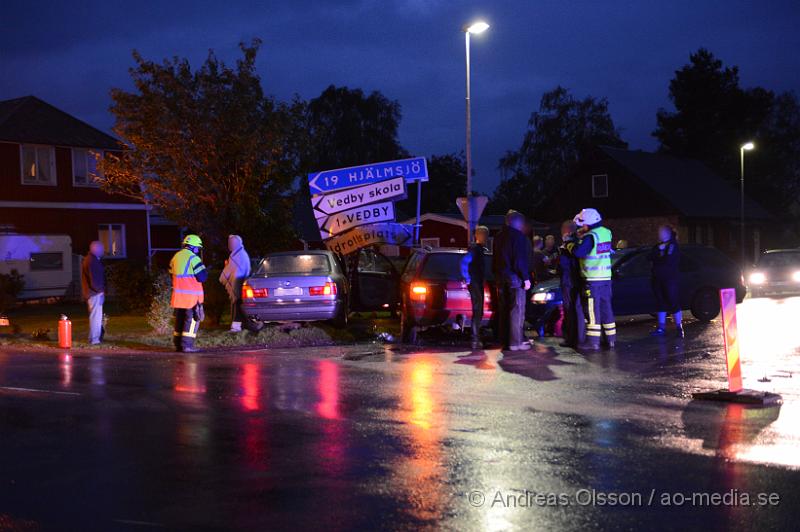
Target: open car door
[[375, 282]]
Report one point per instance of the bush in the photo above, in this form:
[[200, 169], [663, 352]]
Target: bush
[[11, 285], [159, 316], [132, 286]]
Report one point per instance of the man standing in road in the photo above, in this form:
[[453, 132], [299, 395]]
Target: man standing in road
[[188, 275], [237, 269], [574, 327], [510, 261], [473, 271], [93, 288], [594, 254]]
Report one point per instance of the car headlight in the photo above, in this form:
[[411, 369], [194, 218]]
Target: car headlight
[[542, 297], [796, 277], [757, 278]]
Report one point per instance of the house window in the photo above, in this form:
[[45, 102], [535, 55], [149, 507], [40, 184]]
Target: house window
[[113, 238], [84, 167], [600, 186], [38, 165], [429, 242], [45, 262]]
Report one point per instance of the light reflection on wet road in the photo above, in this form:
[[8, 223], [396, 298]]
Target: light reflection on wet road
[[369, 437]]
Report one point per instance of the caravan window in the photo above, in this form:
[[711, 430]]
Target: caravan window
[[43, 262]]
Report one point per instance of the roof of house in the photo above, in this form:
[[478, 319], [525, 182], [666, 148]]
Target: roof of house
[[687, 184], [32, 120]]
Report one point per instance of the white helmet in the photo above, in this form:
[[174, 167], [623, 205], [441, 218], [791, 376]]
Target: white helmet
[[588, 217]]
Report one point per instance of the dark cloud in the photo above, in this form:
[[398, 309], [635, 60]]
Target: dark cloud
[[72, 53]]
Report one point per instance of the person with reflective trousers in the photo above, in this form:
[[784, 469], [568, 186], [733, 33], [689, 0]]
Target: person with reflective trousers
[[594, 256], [188, 275]]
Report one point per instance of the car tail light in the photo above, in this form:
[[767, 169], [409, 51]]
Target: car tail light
[[248, 292], [328, 290], [418, 292]]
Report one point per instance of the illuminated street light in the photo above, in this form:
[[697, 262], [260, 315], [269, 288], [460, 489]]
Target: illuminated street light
[[744, 147], [475, 28]]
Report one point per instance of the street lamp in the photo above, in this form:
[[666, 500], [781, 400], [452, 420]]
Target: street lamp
[[474, 28], [744, 147]]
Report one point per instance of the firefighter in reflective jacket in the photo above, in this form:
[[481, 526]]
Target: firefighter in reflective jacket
[[594, 254], [188, 275]]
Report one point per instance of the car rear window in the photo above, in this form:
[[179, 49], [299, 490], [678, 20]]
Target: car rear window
[[448, 266], [296, 264], [784, 259]]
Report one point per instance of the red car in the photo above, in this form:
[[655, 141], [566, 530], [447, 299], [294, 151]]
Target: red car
[[432, 293]]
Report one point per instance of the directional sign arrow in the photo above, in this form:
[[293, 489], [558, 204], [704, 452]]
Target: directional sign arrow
[[414, 169], [369, 235], [351, 198], [340, 222]]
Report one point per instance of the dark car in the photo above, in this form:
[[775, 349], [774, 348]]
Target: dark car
[[704, 271], [316, 285], [776, 274], [433, 294]]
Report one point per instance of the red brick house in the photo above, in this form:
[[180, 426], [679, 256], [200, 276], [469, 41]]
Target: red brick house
[[49, 183], [637, 191]]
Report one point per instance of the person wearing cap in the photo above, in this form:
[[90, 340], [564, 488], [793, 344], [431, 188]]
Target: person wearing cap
[[188, 275], [236, 270], [473, 271], [93, 289], [594, 256], [511, 264]]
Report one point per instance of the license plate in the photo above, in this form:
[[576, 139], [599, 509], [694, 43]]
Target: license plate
[[296, 291], [4, 322]]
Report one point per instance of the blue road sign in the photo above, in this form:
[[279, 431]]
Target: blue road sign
[[414, 169]]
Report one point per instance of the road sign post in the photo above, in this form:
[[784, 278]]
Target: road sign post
[[335, 202], [340, 222], [736, 393], [471, 209]]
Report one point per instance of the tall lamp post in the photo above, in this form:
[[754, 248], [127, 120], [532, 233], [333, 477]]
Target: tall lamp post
[[743, 148], [474, 28]]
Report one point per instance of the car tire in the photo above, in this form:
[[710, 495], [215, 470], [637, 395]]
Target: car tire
[[408, 331], [341, 319], [253, 325], [705, 304]]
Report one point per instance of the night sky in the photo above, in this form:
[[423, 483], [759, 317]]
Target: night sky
[[71, 53]]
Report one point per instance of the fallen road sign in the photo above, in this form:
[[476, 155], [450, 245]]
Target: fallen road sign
[[369, 235], [392, 189], [414, 169], [338, 223]]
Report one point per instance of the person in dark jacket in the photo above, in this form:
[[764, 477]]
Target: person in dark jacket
[[93, 289], [666, 257], [569, 270], [473, 271], [510, 262], [539, 261]]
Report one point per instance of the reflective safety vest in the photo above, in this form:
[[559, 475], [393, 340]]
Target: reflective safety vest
[[596, 266], [186, 290]]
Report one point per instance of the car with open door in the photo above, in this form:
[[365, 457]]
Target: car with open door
[[704, 270], [374, 281]]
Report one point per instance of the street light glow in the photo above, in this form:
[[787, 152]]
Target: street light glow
[[478, 27], [748, 146]]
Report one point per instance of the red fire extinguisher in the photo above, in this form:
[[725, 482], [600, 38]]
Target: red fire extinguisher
[[64, 332]]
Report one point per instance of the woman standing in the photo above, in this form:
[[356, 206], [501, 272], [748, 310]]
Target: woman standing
[[666, 280]]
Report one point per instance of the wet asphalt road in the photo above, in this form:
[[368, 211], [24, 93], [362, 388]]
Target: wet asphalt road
[[372, 437]]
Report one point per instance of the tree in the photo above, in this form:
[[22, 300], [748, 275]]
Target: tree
[[714, 116], [347, 128], [208, 149], [558, 134], [447, 180]]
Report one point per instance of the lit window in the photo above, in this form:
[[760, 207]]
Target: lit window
[[600, 186], [38, 165], [113, 238], [85, 172]]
